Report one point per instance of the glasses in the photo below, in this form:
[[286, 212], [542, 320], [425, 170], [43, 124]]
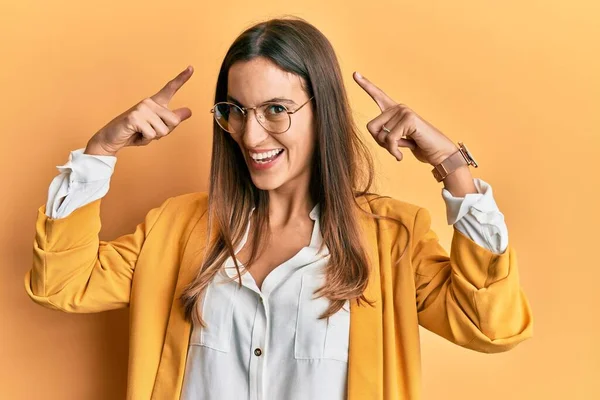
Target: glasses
[[273, 117]]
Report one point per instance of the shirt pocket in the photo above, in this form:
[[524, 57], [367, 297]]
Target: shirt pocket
[[217, 313], [320, 338]]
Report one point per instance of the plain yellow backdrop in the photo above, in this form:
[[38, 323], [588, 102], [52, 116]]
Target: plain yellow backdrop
[[517, 81]]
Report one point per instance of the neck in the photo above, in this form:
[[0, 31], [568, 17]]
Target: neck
[[288, 204]]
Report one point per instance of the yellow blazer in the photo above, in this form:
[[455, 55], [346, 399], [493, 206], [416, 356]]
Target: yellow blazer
[[472, 297]]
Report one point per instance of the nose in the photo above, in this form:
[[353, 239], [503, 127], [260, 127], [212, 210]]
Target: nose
[[253, 133]]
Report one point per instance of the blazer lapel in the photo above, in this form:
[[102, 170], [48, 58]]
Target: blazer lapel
[[169, 378], [365, 361]]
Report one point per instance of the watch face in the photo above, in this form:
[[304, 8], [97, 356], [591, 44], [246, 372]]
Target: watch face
[[469, 155]]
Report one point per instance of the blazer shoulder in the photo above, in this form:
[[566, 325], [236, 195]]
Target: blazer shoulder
[[191, 199], [187, 204], [390, 207], [402, 221]]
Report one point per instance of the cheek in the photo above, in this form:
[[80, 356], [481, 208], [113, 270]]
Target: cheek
[[304, 149], [310, 142]]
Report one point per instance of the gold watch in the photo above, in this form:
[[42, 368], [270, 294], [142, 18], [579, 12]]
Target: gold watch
[[452, 163]]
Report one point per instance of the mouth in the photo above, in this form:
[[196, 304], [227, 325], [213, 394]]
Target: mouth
[[264, 160]]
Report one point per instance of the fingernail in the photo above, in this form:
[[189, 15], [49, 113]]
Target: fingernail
[[358, 74]]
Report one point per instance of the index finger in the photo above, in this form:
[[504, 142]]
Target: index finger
[[383, 100], [164, 95]]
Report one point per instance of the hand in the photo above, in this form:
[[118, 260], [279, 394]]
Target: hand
[[407, 129], [146, 121]]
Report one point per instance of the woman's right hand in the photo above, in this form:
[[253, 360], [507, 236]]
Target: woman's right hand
[[146, 121]]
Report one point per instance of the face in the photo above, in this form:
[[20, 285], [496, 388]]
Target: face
[[252, 83]]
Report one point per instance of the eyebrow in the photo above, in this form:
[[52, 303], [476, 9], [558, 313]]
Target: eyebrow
[[273, 100]]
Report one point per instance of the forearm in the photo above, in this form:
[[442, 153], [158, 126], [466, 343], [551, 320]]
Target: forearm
[[460, 182]]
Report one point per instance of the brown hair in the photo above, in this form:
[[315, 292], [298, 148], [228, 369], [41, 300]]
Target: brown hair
[[342, 164]]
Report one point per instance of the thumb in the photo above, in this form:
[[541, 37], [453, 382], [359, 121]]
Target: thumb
[[183, 113]]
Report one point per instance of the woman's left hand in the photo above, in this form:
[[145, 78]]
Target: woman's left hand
[[406, 128]]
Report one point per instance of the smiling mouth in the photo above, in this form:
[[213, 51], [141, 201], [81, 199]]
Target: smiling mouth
[[269, 159]]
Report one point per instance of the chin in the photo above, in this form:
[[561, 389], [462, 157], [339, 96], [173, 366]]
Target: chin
[[267, 183]]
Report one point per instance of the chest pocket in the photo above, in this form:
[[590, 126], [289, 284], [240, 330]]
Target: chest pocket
[[217, 312], [320, 338]]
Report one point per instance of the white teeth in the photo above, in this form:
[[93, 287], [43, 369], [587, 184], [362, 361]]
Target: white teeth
[[267, 154]]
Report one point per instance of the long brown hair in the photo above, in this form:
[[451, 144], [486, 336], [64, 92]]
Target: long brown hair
[[342, 169]]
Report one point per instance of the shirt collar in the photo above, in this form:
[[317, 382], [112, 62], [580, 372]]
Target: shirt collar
[[316, 239], [314, 214]]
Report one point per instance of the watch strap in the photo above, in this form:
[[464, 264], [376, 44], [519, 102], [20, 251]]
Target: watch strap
[[449, 165]]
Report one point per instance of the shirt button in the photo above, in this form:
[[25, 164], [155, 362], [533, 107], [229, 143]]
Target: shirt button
[[257, 352]]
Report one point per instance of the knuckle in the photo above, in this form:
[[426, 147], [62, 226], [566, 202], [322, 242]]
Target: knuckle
[[141, 107], [410, 118], [370, 126], [131, 117], [175, 120]]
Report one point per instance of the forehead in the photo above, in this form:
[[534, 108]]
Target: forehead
[[258, 80]]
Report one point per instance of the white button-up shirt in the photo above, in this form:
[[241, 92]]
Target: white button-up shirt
[[269, 343]]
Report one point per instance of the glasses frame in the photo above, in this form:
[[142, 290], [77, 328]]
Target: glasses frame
[[245, 111]]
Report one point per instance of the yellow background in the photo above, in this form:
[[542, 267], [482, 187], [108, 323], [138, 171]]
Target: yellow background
[[517, 81]]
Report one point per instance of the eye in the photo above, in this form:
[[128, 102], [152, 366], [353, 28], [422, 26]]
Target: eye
[[274, 109], [233, 110]]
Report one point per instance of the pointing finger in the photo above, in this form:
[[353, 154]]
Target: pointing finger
[[164, 95], [383, 100]]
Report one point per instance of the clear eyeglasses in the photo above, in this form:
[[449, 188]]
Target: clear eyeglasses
[[274, 117]]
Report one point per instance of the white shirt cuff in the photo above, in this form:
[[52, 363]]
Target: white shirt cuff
[[83, 179], [477, 216]]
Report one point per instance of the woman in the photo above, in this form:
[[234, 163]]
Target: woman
[[288, 280]]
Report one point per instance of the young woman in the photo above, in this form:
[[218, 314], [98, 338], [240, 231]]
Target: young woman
[[288, 279]]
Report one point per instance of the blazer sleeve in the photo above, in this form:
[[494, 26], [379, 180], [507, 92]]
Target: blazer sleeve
[[74, 271], [471, 297]]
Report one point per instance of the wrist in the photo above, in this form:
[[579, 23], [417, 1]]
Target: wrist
[[460, 182], [444, 154], [94, 148]]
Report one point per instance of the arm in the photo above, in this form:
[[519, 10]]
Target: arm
[[472, 297], [74, 271]]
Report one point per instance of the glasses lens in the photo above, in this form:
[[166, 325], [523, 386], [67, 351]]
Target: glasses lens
[[229, 117], [274, 117]]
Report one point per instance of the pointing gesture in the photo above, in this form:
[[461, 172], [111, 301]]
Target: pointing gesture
[[399, 126], [164, 95], [148, 120], [383, 100]]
